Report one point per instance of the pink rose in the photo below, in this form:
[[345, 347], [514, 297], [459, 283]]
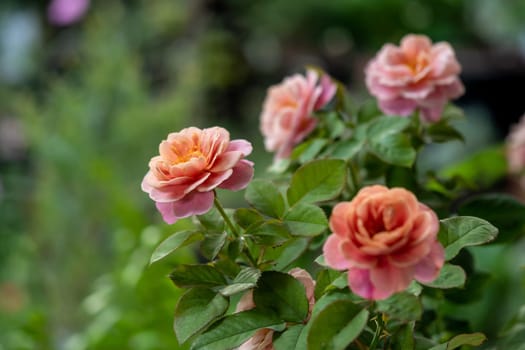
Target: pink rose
[[414, 75], [263, 338], [515, 148], [66, 12], [384, 238], [287, 116], [191, 164]]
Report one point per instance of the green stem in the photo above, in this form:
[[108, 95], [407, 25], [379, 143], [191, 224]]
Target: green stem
[[233, 229], [226, 218]]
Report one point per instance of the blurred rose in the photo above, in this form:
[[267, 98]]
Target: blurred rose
[[515, 148], [415, 75], [262, 339], [287, 116], [65, 12], [191, 164], [384, 238]]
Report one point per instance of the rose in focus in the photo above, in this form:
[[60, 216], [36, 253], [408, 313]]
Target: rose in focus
[[190, 165], [287, 116], [384, 238], [263, 338], [414, 75]]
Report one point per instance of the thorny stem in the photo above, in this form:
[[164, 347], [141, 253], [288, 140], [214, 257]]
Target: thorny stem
[[233, 229]]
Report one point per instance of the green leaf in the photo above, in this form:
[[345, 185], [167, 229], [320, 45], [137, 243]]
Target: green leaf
[[501, 210], [212, 244], [265, 197], [282, 294], [306, 220], [473, 339], [347, 149], [403, 339], [394, 149], [401, 306], [288, 339], [247, 217], [450, 276], [386, 141], [235, 329], [185, 276], [368, 111], [246, 279], [336, 326], [174, 242], [196, 310], [310, 149], [291, 250], [443, 132], [462, 231], [323, 280], [484, 168], [317, 181], [212, 220], [272, 232], [387, 125]]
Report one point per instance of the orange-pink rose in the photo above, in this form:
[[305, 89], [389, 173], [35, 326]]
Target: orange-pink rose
[[287, 116], [414, 75], [191, 164], [385, 238], [263, 338]]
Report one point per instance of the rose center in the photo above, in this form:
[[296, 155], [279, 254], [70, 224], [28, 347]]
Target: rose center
[[183, 157], [418, 63]]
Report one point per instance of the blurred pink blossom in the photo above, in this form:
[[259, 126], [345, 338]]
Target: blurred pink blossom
[[384, 238], [66, 12], [191, 164], [287, 116], [414, 75], [515, 147]]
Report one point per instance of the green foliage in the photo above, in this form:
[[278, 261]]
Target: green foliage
[[463, 231], [196, 310], [450, 276], [317, 181], [336, 325], [283, 295], [174, 242], [233, 330]]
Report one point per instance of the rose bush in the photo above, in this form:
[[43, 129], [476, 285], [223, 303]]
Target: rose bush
[[351, 205], [287, 116], [414, 75], [191, 164], [384, 238]]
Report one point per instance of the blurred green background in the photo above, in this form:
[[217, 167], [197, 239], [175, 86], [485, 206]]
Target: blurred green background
[[84, 104]]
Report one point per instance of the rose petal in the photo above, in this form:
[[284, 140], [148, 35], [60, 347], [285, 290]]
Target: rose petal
[[428, 268], [388, 280], [359, 282], [240, 145], [196, 203], [241, 176], [333, 254], [398, 106]]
